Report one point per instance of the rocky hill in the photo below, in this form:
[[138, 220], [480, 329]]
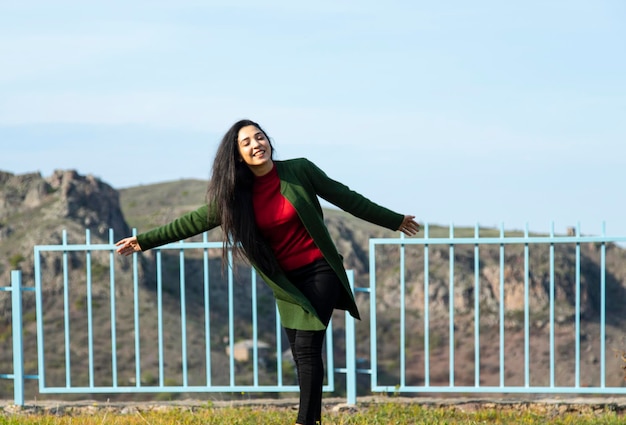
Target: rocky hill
[[34, 210]]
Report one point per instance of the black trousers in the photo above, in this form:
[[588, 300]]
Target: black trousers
[[319, 283]]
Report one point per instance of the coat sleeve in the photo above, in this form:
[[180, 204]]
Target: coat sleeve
[[185, 226], [350, 201]]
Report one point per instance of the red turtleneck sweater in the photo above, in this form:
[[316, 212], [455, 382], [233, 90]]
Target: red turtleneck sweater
[[279, 223]]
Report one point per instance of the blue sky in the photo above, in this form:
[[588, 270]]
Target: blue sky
[[456, 112]]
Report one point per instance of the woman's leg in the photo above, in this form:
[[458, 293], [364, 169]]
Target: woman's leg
[[319, 283], [306, 347]]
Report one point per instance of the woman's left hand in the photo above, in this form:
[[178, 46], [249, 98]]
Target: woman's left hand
[[409, 226]]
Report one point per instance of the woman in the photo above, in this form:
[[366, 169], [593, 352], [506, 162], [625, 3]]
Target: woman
[[270, 210]]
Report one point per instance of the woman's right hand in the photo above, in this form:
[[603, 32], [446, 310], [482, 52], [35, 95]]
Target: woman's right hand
[[128, 245], [409, 226]]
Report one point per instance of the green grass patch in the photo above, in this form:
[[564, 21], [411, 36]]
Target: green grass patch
[[378, 414]]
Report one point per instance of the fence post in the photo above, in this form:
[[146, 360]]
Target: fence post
[[350, 360], [18, 343], [351, 386]]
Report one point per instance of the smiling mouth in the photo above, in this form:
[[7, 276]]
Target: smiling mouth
[[258, 153]]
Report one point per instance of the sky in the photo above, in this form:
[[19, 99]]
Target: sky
[[496, 112]]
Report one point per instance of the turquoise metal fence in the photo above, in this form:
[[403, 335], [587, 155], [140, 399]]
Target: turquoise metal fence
[[95, 345], [414, 325], [478, 244]]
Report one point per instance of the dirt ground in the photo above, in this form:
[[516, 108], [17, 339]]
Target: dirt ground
[[544, 406]]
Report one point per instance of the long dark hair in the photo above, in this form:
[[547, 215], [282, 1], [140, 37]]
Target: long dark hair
[[230, 188]]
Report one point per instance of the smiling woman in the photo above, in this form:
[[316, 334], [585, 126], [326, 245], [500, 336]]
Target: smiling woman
[[269, 210]]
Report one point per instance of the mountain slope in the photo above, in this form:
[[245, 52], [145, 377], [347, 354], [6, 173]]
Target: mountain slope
[[35, 211]]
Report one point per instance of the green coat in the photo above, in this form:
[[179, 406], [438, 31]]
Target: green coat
[[301, 182]]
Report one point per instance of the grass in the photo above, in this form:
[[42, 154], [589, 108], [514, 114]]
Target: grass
[[383, 413]]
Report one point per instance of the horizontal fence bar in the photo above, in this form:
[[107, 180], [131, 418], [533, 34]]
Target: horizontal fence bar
[[497, 241], [12, 376], [112, 247], [23, 289], [172, 389], [497, 389]]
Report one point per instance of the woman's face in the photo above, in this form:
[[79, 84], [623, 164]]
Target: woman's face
[[255, 150]]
